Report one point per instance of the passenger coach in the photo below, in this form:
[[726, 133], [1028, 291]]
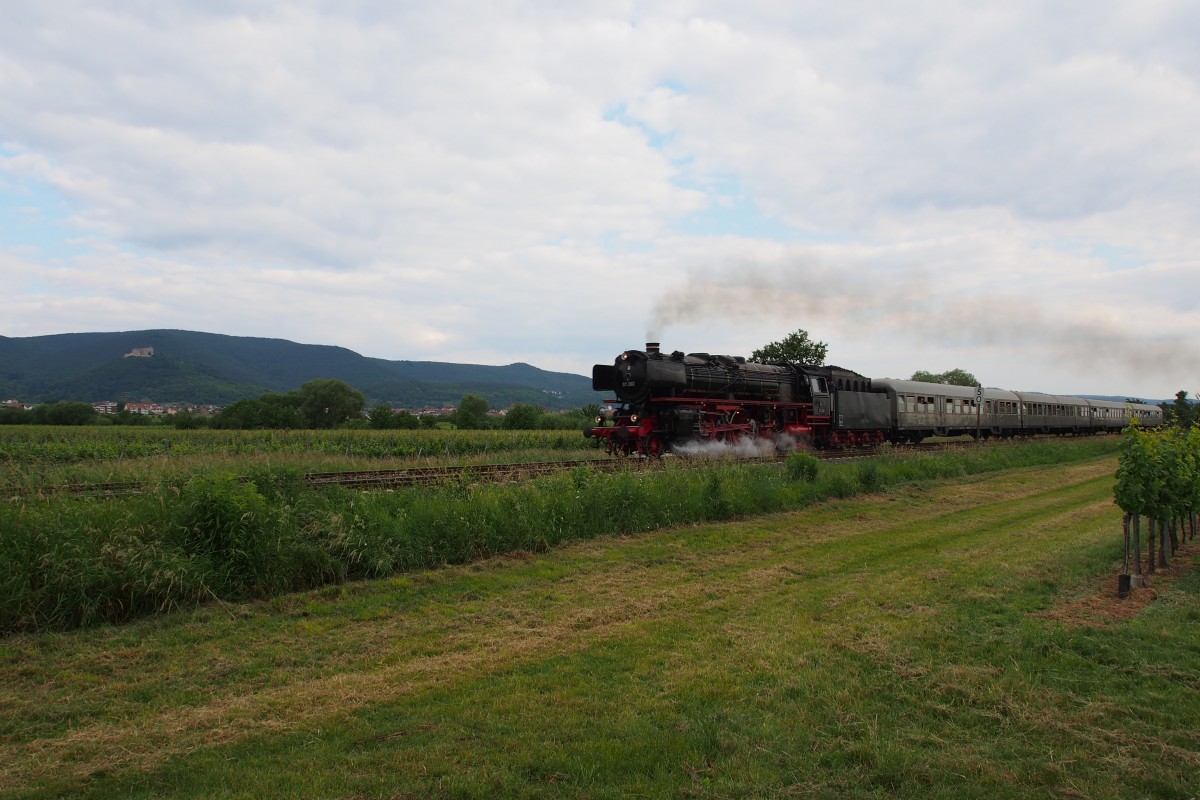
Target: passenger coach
[[921, 410]]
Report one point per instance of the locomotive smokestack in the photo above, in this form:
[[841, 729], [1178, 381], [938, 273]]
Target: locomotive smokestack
[[651, 347]]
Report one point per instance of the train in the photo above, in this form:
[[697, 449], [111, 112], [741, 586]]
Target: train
[[665, 402]]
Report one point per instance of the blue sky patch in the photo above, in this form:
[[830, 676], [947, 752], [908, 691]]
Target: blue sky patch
[[33, 214]]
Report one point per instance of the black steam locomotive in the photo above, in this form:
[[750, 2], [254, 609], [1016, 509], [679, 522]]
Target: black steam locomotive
[[664, 401]]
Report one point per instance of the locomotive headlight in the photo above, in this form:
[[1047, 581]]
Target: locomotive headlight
[[625, 356], [599, 420], [633, 417]]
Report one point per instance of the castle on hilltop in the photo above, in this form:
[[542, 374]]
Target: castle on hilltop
[[140, 352]]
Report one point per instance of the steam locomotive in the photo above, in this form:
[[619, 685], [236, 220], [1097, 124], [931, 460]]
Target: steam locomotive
[[666, 400]]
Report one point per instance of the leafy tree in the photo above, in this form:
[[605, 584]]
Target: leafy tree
[[953, 377], [381, 417], [522, 417], [125, 417], [15, 416], [185, 420], [269, 411], [329, 403], [384, 418], [795, 348], [1182, 412], [471, 413], [64, 414]]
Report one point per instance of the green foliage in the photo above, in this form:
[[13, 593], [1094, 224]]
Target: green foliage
[[803, 467], [329, 403], [29, 446], [1183, 411], [185, 420], [384, 418], [522, 417], [795, 348], [471, 413], [69, 561], [1158, 473], [63, 414], [15, 416], [269, 411], [953, 377], [869, 477]]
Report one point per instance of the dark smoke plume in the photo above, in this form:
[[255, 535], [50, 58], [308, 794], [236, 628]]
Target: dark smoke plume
[[863, 301]]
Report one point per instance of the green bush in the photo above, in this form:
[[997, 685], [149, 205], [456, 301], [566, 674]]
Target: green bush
[[803, 467]]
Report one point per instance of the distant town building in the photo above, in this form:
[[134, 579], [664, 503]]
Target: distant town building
[[140, 352], [149, 409], [105, 407]]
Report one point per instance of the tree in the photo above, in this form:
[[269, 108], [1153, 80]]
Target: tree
[[64, 414], [795, 348], [953, 377], [471, 413], [522, 417], [329, 403], [1182, 411], [381, 417]]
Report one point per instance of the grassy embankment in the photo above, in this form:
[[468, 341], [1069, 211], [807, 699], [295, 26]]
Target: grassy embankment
[[889, 646], [69, 561]]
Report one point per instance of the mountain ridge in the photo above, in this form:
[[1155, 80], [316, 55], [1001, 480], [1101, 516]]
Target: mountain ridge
[[214, 368]]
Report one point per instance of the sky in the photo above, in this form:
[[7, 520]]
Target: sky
[[1011, 188]]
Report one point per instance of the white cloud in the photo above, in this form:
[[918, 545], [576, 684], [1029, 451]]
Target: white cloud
[[495, 183]]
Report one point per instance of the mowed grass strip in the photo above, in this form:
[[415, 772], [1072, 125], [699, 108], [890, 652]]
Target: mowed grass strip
[[883, 646]]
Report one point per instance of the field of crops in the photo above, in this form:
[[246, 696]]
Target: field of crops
[[32, 456], [37, 444]]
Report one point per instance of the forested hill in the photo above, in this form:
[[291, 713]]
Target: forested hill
[[187, 366]]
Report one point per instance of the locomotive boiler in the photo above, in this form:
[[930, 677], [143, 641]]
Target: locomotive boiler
[[665, 400]]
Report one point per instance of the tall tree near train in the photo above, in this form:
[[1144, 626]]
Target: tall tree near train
[[953, 377], [1182, 412], [795, 348]]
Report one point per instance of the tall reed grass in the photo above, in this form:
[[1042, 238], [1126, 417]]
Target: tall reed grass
[[75, 561]]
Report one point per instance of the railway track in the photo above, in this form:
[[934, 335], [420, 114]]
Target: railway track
[[471, 473]]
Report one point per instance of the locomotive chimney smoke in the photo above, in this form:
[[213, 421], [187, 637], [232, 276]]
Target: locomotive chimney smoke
[[651, 347], [863, 300]]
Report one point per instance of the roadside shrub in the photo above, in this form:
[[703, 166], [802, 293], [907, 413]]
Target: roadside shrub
[[803, 467], [840, 484], [869, 477], [228, 522]]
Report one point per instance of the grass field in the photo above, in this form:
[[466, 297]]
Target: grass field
[[900, 645]]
